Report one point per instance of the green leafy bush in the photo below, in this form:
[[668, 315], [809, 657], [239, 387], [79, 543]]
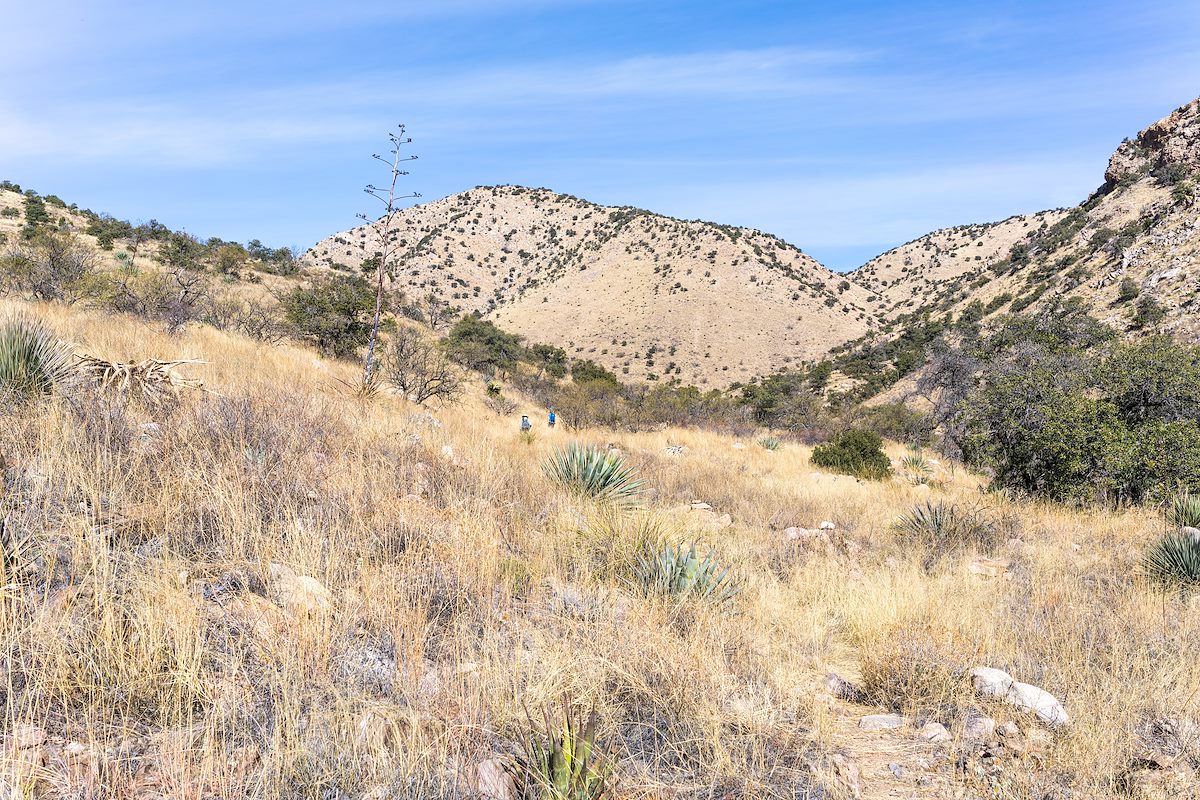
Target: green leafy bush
[[1173, 563], [854, 452], [672, 571], [594, 472], [335, 314], [33, 362]]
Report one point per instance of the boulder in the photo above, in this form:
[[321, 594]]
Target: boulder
[[1038, 702], [841, 688], [990, 682], [302, 595], [847, 773]]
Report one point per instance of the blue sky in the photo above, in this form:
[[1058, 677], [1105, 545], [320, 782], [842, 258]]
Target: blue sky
[[846, 128]]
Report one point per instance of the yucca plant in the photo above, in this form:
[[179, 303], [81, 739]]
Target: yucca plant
[[563, 763], [594, 472], [673, 571], [917, 469], [33, 362], [771, 443], [942, 529], [1185, 511], [1173, 563]]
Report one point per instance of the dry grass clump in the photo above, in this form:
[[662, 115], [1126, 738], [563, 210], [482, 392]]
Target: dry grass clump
[[919, 669]]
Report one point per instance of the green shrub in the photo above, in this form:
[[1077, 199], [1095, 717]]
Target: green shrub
[[594, 472], [335, 314], [1173, 563], [672, 571], [33, 362], [854, 452], [564, 763], [940, 530]]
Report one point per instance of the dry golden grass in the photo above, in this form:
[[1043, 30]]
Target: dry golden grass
[[281, 591]]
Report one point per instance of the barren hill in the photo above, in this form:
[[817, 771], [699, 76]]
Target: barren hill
[[649, 296], [1129, 251]]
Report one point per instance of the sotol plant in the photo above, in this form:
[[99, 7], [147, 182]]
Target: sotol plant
[[33, 362], [672, 571], [771, 443], [564, 762], [1185, 511], [941, 529], [594, 472], [917, 469], [1173, 563]]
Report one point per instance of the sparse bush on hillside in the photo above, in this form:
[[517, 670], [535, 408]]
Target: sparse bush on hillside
[[587, 371], [334, 314], [1149, 312], [33, 362], [594, 472], [174, 296], [52, 266], [419, 368], [854, 452], [1128, 290]]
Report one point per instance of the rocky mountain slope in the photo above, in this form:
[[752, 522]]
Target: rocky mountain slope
[[650, 297], [1128, 252]]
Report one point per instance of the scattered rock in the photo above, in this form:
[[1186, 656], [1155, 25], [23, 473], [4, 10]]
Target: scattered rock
[[999, 685], [302, 595], [675, 449], [826, 525], [989, 567], [1192, 532], [989, 682], [696, 505], [896, 769], [493, 782], [1039, 702], [422, 482], [842, 689], [449, 454], [979, 728], [881, 722], [739, 446], [934, 732], [848, 775]]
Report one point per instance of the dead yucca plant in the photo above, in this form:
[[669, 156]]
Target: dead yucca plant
[[149, 378]]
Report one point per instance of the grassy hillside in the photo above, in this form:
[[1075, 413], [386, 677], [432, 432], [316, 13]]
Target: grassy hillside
[[270, 589], [648, 296]]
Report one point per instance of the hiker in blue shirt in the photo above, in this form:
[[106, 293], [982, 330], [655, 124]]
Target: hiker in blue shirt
[[553, 419]]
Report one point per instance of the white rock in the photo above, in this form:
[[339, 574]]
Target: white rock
[[493, 782], [980, 728], [1038, 701], [990, 682], [934, 732], [826, 525], [881, 722], [696, 505]]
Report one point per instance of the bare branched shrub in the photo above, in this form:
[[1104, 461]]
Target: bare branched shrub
[[420, 368], [53, 266], [174, 297]]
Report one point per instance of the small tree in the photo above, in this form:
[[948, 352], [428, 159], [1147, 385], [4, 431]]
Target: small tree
[[52, 266], [335, 314], [419, 368], [383, 231]]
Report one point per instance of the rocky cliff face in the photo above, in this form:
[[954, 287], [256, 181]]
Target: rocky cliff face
[[1170, 145]]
